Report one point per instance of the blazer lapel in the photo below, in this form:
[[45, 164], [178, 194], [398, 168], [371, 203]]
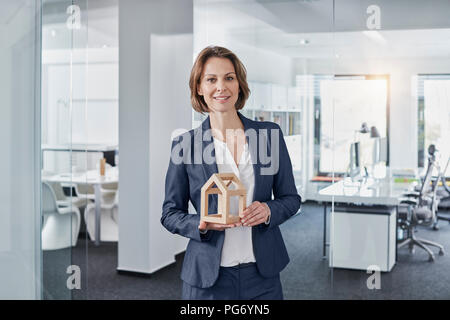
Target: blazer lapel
[[253, 153], [206, 141]]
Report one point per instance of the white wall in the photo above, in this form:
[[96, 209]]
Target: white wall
[[145, 94], [170, 109]]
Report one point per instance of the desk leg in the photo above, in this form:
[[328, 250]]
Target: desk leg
[[324, 230], [396, 230], [98, 199]]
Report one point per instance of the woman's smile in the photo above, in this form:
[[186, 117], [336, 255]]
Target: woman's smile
[[222, 99]]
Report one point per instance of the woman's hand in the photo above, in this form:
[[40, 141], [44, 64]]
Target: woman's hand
[[256, 213], [216, 226]]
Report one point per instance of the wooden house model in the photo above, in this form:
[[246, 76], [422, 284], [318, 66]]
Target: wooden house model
[[219, 183]]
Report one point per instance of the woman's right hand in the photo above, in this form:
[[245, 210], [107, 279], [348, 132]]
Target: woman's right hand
[[217, 226]]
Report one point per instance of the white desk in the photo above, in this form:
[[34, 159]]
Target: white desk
[[379, 197], [93, 178], [78, 147], [107, 150]]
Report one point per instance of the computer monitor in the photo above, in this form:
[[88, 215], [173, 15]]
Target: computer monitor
[[355, 159], [379, 150]]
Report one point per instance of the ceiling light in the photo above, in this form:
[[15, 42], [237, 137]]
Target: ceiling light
[[375, 36], [304, 41]]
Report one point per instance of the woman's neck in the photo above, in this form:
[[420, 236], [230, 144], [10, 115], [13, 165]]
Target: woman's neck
[[223, 121]]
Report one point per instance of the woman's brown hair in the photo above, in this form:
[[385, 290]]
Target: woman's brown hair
[[197, 101]]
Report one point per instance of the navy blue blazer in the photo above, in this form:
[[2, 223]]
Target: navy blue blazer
[[186, 175]]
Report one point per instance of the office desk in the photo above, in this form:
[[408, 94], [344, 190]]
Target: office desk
[[107, 150], [382, 196], [93, 178]]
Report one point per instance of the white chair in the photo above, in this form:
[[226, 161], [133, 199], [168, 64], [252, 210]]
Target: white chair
[[87, 191], [60, 226], [109, 226], [64, 201], [61, 198]]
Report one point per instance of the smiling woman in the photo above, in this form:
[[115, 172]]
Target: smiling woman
[[239, 260]]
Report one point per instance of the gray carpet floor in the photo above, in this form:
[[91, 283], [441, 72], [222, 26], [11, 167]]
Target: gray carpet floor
[[306, 277]]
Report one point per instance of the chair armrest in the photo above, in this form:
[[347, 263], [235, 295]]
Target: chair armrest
[[68, 210], [412, 194], [410, 201], [63, 203], [108, 206]]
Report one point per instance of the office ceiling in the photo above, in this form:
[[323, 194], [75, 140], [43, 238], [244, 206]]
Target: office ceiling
[[304, 29], [410, 28]]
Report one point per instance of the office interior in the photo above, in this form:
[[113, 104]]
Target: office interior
[[93, 91]]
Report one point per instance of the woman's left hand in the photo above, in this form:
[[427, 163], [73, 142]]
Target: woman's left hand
[[256, 213]]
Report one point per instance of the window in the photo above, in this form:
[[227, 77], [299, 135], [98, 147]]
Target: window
[[433, 115], [342, 105]]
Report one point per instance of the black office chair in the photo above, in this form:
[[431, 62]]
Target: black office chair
[[420, 209]]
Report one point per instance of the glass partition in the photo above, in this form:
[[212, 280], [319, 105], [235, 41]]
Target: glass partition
[[79, 140], [287, 49], [64, 75], [359, 90], [20, 259], [388, 106]]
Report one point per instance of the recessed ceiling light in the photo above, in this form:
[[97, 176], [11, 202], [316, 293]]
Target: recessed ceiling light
[[304, 41], [53, 33]]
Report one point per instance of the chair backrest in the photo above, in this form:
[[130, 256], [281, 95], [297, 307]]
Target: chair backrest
[[116, 198], [430, 190], [443, 177], [110, 186], [84, 189], [48, 199], [58, 190], [425, 189]]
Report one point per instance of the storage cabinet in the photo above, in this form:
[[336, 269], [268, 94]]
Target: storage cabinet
[[363, 237]]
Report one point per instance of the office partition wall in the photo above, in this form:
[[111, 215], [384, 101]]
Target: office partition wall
[[337, 73], [392, 50], [332, 74], [79, 128], [276, 41], [287, 48], [64, 101], [44, 66]]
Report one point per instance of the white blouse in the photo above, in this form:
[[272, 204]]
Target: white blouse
[[238, 244]]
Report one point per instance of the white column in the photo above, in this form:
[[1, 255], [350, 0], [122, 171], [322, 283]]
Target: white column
[[152, 102]]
